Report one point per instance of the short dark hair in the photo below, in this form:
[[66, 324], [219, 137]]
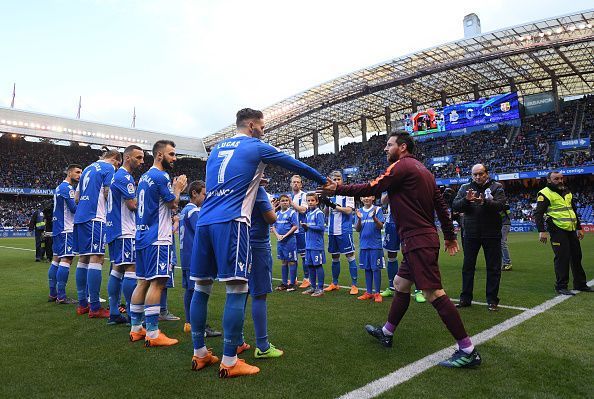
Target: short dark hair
[[109, 154], [403, 137], [131, 148], [196, 185], [551, 172], [284, 196], [159, 145], [73, 166], [247, 114], [312, 194]]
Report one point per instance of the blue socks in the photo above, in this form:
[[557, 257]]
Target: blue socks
[[305, 267], [114, 289], [335, 271], [62, 279], [369, 281], [353, 270], [94, 283], [292, 273], [312, 276], [81, 284], [259, 316], [151, 317], [187, 303], [284, 273], [136, 312], [233, 318], [198, 310], [392, 270], [164, 300], [128, 286], [320, 276], [377, 280], [52, 279]]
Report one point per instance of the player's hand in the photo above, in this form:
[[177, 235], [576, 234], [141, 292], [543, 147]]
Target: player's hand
[[359, 214], [543, 237], [180, 183], [580, 234], [328, 189], [305, 227], [372, 213], [451, 247]]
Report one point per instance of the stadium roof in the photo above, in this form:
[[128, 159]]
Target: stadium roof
[[528, 56], [58, 128]]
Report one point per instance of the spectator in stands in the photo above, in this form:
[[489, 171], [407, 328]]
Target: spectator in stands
[[481, 201]]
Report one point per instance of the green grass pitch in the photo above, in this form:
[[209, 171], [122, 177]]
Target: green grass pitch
[[48, 351]]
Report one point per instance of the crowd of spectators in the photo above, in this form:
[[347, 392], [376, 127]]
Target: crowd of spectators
[[16, 211]]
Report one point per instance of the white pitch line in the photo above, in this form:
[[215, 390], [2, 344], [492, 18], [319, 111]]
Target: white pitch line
[[21, 249], [405, 373]]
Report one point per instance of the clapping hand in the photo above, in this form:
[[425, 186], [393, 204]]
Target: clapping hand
[[359, 214], [180, 182]]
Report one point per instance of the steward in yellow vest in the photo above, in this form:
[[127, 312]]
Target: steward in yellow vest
[[556, 213]]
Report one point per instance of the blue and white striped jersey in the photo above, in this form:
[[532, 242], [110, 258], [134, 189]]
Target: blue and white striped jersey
[[153, 217], [64, 209], [92, 204], [187, 229], [233, 173], [121, 221], [301, 199], [338, 222]]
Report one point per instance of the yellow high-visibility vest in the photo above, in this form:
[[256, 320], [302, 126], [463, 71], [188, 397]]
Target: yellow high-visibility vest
[[560, 209]]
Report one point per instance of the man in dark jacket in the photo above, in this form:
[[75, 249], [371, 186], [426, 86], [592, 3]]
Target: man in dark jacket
[[481, 201], [37, 225]]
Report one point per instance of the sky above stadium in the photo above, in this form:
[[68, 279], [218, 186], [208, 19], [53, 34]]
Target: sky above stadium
[[188, 66]]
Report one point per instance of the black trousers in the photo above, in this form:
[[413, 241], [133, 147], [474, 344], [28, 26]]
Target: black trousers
[[568, 251], [49, 252], [39, 250], [492, 250]]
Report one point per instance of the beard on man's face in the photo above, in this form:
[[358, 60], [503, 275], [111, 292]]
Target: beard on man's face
[[167, 165]]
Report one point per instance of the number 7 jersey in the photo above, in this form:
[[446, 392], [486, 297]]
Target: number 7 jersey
[[233, 173]]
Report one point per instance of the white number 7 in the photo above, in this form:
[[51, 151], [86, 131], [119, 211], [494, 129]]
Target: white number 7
[[226, 155]]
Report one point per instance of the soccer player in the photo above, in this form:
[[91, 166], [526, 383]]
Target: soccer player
[[414, 200], [233, 173], [370, 222], [121, 232], [260, 278], [284, 229], [299, 204], [89, 231], [340, 235], [62, 227], [157, 196], [315, 257]]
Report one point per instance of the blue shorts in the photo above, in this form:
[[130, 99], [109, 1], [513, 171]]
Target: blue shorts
[[122, 251], [153, 262], [62, 245], [187, 284], [300, 237], [221, 251], [314, 257], [287, 250], [341, 244], [89, 238], [391, 239], [371, 259], [260, 279], [171, 279]]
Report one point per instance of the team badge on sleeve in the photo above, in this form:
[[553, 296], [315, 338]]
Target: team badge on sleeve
[[130, 188]]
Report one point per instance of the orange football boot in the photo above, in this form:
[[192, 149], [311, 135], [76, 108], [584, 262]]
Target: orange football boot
[[365, 296], [82, 310], [202, 362], [243, 347], [305, 283], [100, 313], [137, 335], [161, 340], [238, 369], [332, 287], [378, 298], [354, 290]]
